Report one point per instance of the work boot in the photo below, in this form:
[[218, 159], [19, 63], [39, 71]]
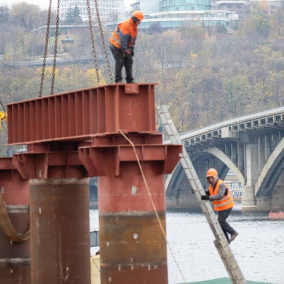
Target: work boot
[[233, 236], [118, 81]]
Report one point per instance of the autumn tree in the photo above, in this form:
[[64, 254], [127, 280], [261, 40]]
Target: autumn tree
[[25, 15], [4, 14], [277, 22]]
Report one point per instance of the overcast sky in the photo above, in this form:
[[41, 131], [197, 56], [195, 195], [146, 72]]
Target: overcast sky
[[42, 3]]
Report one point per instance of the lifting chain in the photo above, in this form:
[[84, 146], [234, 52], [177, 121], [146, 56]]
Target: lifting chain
[[103, 40], [55, 47], [45, 49], [93, 41]]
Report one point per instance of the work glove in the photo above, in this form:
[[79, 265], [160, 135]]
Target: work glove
[[204, 197]]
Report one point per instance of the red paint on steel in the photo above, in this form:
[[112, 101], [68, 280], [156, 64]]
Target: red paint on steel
[[132, 245], [75, 134], [127, 192], [60, 234], [37, 165], [165, 156], [15, 191], [78, 115]]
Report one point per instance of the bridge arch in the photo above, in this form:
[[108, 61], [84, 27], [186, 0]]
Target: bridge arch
[[228, 162], [174, 180], [271, 171]]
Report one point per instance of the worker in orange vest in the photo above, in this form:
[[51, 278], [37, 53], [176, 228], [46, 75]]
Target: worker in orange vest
[[222, 200], [122, 43]]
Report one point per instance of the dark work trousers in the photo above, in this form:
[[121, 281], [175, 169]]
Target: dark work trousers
[[227, 229], [120, 61]]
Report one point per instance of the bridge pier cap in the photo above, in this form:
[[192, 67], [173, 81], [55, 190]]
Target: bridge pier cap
[[74, 135]]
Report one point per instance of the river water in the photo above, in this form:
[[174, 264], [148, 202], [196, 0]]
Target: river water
[[259, 248]]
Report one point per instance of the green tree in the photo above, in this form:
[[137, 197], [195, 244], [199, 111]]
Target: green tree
[[69, 20], [76, 16], [73, 16], [25, 15], [4, 14]]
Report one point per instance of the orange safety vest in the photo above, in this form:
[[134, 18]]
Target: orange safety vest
[[227, 200], [128, 29]]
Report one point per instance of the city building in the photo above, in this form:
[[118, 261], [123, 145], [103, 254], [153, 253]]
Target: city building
[[147, 6], [185, 5], [241, 7], [110, 10], [168, 20]]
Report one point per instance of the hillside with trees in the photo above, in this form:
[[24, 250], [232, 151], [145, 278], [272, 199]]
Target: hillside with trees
[[206, 75]]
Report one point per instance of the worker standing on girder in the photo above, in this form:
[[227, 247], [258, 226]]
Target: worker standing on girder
[[222, 200], [122, 43]]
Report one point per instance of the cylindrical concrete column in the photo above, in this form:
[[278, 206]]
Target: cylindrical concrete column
[[60, 235], [14, 257], [132, 246]]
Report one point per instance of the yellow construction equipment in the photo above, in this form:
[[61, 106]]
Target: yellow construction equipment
[[3, 117]]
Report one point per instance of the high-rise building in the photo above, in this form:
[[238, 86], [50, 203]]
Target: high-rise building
[[146, 6], [110, 10], [171, 20], [185, 5]]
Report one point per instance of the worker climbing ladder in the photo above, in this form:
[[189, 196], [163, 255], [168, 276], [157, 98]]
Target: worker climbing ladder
[[221, 242]]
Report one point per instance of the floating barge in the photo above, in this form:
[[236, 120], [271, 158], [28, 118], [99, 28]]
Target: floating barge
[[276, 214]]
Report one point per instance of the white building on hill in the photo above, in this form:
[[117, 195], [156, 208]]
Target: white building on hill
[[110, 10]]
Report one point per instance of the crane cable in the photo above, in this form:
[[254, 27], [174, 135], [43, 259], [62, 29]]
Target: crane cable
[[55, 47], [103, 40], [152, 202], [45, 48], [93, 42]]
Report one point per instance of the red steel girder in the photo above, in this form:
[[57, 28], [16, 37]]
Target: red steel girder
[[115, 149], [80, 114], [49, 165], [166, 155]]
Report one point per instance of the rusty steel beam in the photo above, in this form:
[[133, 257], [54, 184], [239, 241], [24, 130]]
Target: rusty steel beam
[[15, 194], [132, 245], [80, 114], [60, 234], [77, 134]]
